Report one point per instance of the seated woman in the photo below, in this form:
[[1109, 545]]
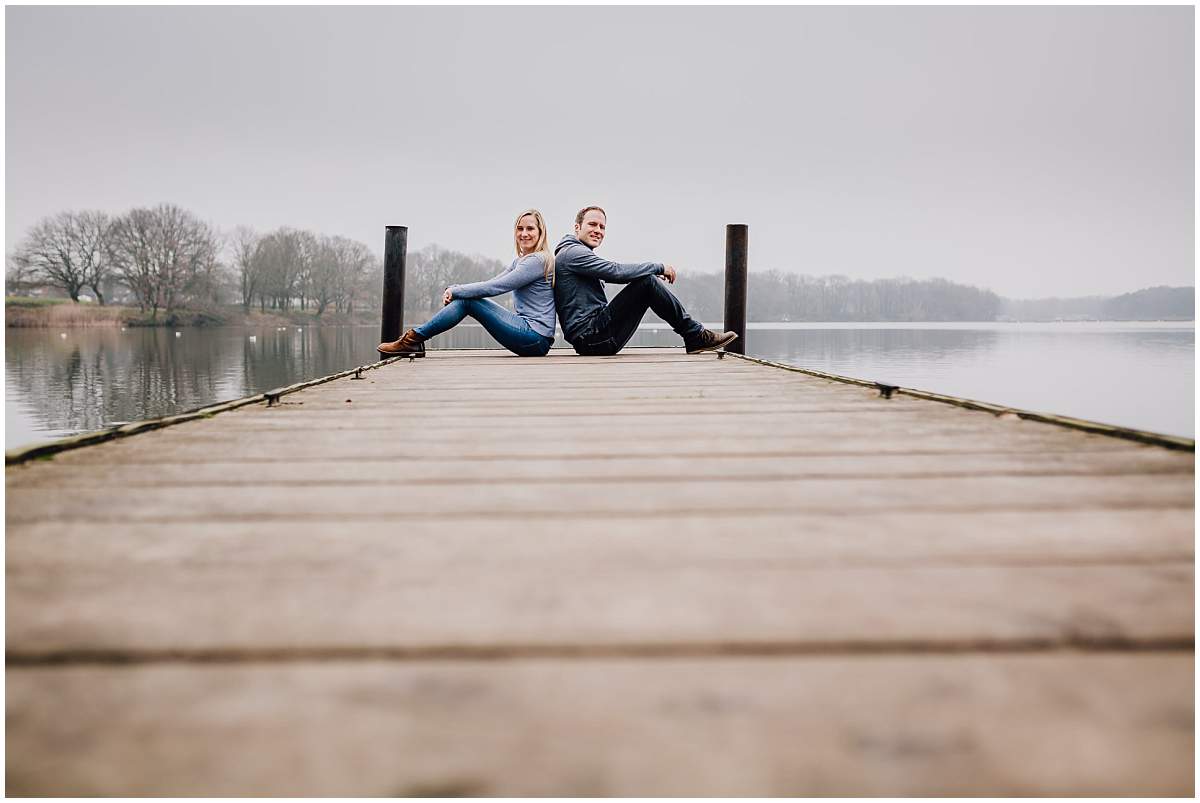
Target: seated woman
[[529, 331]]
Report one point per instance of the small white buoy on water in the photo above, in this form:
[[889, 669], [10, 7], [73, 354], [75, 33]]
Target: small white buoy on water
[[122, 328], [63, 335], [179, 334]]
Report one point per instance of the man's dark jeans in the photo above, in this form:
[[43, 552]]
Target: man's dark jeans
[[617, 322]]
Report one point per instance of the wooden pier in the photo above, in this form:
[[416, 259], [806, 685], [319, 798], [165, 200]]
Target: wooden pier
[[651, 574]]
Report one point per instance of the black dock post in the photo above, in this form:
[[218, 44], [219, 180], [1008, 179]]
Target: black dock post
[[735, 285], [395, 251]]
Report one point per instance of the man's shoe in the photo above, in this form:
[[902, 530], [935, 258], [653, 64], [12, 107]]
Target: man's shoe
[[410, 344], [708, 340]]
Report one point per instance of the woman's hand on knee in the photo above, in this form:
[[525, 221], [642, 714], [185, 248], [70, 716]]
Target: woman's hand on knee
[[448, 296]]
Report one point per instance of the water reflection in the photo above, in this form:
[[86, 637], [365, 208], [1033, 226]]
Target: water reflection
[[93, 378], [1138, 375], [891, 349], [1135, 375]]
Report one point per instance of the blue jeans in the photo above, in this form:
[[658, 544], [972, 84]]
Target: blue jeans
[[510, 329]]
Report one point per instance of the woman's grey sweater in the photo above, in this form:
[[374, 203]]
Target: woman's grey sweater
[[533, 297]]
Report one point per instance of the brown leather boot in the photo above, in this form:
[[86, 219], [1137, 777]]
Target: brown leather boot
[[410, 344], [708, 340]]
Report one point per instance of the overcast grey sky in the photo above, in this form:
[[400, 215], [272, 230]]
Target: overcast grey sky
[[1034, 151]]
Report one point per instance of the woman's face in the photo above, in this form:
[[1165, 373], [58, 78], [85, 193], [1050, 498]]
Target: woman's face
[[527, 233]]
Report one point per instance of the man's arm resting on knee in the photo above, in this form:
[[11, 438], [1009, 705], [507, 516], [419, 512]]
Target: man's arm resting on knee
[[588, 264]]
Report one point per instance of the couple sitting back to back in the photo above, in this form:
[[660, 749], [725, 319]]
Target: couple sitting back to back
[[570, 280]]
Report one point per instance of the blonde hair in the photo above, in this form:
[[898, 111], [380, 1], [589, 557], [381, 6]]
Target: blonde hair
[[543, 242]]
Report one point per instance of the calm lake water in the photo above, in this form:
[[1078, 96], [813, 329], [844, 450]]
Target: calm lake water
[[1133, 374]]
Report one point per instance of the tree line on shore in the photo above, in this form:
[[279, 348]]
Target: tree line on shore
[[776, 296], [1148, 304], [773, 295], [165, 258]]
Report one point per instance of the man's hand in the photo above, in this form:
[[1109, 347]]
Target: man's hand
[[668, 274], [447, 297]]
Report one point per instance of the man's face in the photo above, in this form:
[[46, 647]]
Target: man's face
[[591, 231]]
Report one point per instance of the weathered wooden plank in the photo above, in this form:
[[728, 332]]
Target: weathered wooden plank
[[358, 601], [665, 435], [384, 412], [608, 385], [711, 542], [667, 497], [406, 440], [574, 385], [334, 444], [1041, 725], [133, 470], [390, 415]]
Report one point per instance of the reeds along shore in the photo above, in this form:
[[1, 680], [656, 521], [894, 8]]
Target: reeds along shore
[[66, 315]]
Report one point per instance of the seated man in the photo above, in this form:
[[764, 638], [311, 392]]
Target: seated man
[[594, 326]]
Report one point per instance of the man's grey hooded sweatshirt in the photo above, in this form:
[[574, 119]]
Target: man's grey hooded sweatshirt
[[579, 277]]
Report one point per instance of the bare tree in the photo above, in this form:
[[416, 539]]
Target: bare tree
[[164, 255], [337, 272], [324, 270], [20, 277], [340, 273], [91, 231], [357, 269], [279, 260], [242, 244], [68, 251], [204, 276], [308, 252]]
